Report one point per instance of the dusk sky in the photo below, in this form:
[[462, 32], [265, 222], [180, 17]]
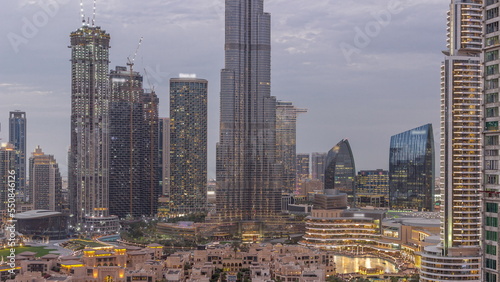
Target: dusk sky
[[365, 70]]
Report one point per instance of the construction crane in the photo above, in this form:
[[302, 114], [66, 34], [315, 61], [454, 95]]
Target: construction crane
[[130, 62]]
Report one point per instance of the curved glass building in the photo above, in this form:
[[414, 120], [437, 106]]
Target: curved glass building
[[340, 171], [411, 170]]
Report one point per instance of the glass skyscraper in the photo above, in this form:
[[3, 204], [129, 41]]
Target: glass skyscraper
[[340, 170], [286, 139], [129, 139], [411, 170], [372, 188], [89, 152], [18, 138], [188, 145], [248, 173], [318, 166]]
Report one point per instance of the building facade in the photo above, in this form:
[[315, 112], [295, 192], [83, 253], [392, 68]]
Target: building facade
[[8, 173], [129, 133], [286, 139], [372, 188], [188, 145], [411, 170], [458, 256], [302, 170], [89, 151], [45, 184], [18, 138], [318, 166], [164, 155], [340, 170], [248, 172], [491, 136]]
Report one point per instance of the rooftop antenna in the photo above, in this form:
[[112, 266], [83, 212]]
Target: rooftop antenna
[[93, 15], [82, 14]]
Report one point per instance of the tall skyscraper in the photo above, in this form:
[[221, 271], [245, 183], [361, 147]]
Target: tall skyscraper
[[491, 242], [302, 170], [458, 257], [340, 170], [372, 188], [8, 173], [126, 145], [318, 166], [151, 189], [18, 138], [164, 155], [411, 170], [248, 182], [89, 153], [45, 182], [188, 145], [286, 140]]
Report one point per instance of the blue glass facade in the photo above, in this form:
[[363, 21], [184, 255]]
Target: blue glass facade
[[340, 170], [411, 170], [17, 137]]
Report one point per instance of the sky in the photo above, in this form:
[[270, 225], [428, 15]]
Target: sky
[[365, 70]]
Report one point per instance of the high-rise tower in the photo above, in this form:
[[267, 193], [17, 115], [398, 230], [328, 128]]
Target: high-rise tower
[[411, 170], [248, 182], [286, 140], [491, 228], [458, 256], [188, 145], [45, 182], [18, 138], [340, 170], [89, 152]]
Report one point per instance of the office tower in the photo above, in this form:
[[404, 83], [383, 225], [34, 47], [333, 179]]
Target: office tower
[[126, 144], [151, 189], [302, 170], [286, 140], [89, 152], [372, 188], [164, 155], [458, 257], [340, 170], [188, 145], [45, 182], [318, 166], [18, 138], [411, 170], [491, 201], [248, 182], [8, 174]]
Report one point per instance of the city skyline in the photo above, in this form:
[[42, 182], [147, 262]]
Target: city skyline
[[300, 43]]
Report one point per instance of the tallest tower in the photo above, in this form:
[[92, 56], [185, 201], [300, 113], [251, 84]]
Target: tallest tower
[[88, 156], [248, 186], [458, 257]]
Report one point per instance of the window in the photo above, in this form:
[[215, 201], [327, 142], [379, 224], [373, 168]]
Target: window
[[491, 140], [491, 2], [491, 27], [491, 152], [492, 41], [491, 84], [491, 179], [492, 55], [491, 164], [491, 70], [491, 235], [492, 207], [490, 263], [491, 125], [492, 13], [491, 97], [492, 112], [492, 221]]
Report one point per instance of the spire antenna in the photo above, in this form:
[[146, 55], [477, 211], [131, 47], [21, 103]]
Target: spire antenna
[[82, 13], [93, 14]]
